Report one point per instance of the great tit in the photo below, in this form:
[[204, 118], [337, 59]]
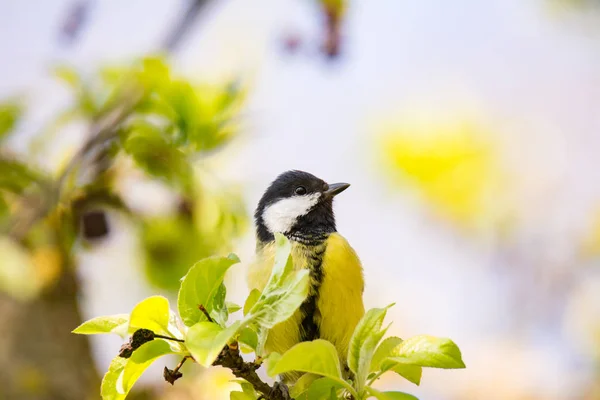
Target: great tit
[[300, 206]]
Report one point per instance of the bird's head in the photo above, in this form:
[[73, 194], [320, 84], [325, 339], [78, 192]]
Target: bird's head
[[299, 205]]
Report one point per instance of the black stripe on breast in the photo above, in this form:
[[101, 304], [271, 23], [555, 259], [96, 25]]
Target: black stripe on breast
[[309, 328]]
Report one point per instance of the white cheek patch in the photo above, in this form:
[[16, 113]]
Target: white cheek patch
[[281, 216]]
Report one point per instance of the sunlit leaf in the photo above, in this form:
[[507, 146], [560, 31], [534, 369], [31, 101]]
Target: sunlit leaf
[[429, 351], [141, 359], [151, 313], [285, 290], [390, 395], [111, 388], [202, 282], [387, 348], [235, 395], [362, 343], [106, 324], [205, 340], [317, 357], [251, 300]]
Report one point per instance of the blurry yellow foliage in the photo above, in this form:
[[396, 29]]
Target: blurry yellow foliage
[[591, 242], [453, 166]]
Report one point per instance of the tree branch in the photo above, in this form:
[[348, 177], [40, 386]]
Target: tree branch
[[36, 206], [231, 358]]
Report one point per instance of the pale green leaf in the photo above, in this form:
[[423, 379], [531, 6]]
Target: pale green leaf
[[151, 313], [285, 290], [205, 340], [106, 324], [217, 308], [429, 351], [367, 332], [317, 357], [232, 307], [200, 286], [111, 388], [389, 348], [390, 395], [141, 359], [251, 300]]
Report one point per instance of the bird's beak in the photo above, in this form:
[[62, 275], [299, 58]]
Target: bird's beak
[[335, 189]]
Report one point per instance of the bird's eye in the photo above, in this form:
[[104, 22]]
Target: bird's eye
[[300, 190]]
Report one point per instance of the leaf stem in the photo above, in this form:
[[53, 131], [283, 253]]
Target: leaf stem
[[168, 338], [205, 312]]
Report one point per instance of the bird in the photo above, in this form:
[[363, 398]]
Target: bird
[[299, 205]]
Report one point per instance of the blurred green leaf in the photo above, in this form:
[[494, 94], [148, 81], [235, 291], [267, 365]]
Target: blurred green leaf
[[388, 348], [141, 359], [205, 340], [16, 176], [106, 324], [10, 113], [200, 285], [151, 313], [171, 246], [69, 76], [429, 351], [148, 147], [285, 290]]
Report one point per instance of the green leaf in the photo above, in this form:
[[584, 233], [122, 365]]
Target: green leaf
[[240, 396], [285, 290], [141, 359], [248, 337], [390, 395], [158, 157], [365, 338], [110, 389], [388, 348], [9, 115], [107, 324], [303, 384], [429, 351], [322, 389], [200, 286], [232, 307], [151, 313], [69, 76], [251, 300], [317, 357], [16, 176], [205, 340], [217, 308]]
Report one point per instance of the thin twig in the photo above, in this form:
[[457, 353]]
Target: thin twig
[[205, 312], [169, 338]]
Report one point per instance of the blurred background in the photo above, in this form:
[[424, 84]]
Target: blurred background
[[137, 137]]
